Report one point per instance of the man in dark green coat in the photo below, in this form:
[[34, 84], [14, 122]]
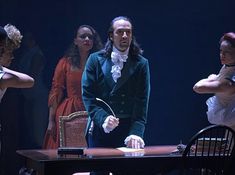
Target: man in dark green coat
[[116, 89]]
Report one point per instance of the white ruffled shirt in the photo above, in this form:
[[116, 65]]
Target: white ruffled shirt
[[118, 58]]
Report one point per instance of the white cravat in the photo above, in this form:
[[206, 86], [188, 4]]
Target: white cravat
[[118, 58]]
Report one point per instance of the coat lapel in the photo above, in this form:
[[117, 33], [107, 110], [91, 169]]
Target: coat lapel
[[106, 65], [127, 71]]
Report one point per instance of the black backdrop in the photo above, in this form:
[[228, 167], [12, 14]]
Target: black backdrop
[[180, 39]]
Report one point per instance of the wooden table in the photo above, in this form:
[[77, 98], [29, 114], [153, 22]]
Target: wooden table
[[150, 160]]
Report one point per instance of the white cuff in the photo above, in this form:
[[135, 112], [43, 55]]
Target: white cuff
[[106, 130]]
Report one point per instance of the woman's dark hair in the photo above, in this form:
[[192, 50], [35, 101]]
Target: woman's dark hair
[[3, 34], [134, 50], [72, 52], [230, 37]]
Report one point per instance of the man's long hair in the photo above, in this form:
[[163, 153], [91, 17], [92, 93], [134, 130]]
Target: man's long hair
[[134, 50], [72, 52]]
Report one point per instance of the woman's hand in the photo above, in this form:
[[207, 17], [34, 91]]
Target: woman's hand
[[51, 129]]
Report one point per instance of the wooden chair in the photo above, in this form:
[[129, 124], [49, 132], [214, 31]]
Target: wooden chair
[[72, 129], [72, 132], [215, 141]]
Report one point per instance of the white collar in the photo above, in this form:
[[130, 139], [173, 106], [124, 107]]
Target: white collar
[[115, 50]]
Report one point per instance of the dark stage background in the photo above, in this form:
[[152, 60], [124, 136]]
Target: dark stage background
[[180, 39]]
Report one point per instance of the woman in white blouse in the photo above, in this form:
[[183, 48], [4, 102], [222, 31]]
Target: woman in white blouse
[[221, 106], [10, 39]]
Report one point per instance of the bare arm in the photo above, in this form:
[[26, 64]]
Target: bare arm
[[15, 79], [213, 85]]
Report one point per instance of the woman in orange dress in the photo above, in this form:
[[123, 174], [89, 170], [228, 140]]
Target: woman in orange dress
[[65, 95]]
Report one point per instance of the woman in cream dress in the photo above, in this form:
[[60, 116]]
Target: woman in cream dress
[[10, 78], [221, 106]]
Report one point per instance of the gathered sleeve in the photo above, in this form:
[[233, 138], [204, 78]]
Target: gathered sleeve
[[58, 84]]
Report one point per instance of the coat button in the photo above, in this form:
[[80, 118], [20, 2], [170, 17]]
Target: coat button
[[122, 102], [121, 111]]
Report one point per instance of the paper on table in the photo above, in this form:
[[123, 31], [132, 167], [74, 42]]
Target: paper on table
[[128, 150]]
